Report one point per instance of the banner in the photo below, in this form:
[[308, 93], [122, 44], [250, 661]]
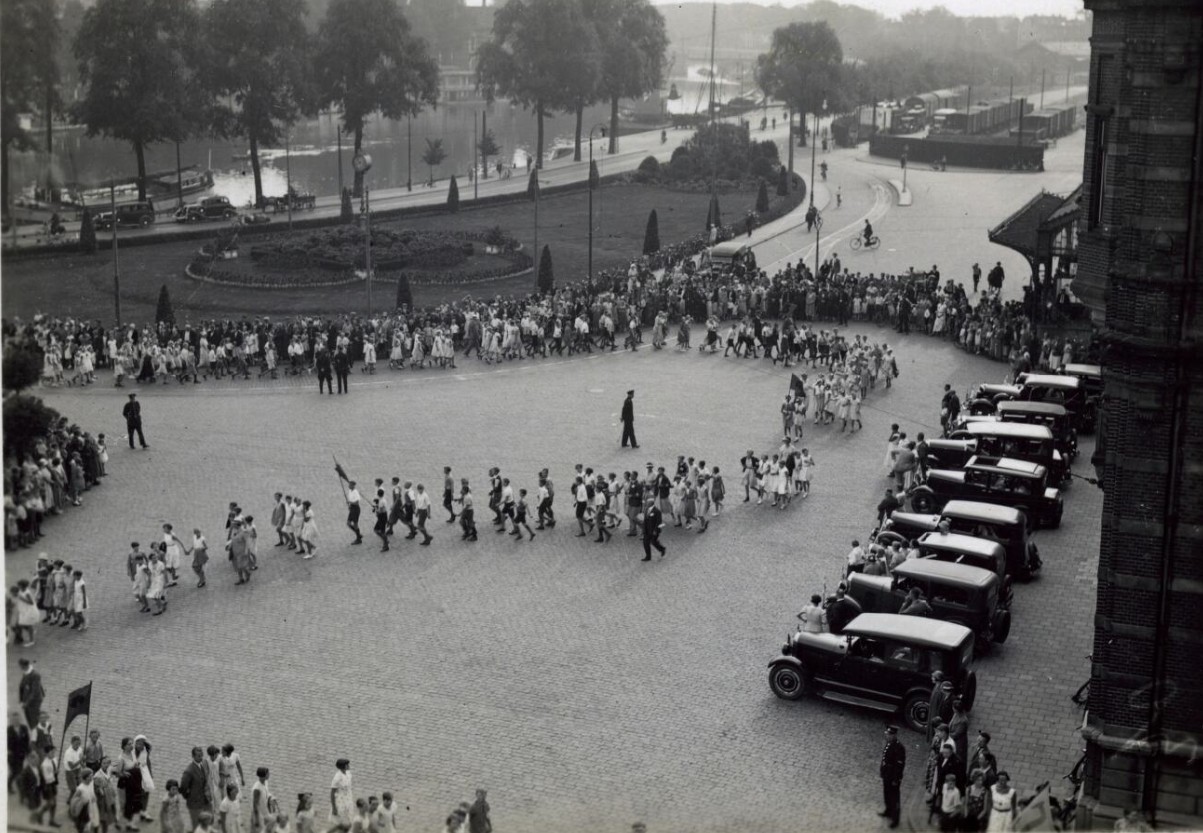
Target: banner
[[1038, 815], [796, 386], [78, 702]]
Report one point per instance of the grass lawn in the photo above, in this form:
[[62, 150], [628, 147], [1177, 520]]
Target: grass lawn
[[82, 286]]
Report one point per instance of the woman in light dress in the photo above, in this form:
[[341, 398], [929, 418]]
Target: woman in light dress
[[308, 530], [941, 319], [891, 450], [158, 583], [1002, 805], [396, 356], [342, 801]]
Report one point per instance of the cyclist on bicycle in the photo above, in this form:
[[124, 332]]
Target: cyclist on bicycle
[[823, 170], [839, 196], [868, 233]]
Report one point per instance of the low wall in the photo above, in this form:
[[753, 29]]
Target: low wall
[[961, 151]]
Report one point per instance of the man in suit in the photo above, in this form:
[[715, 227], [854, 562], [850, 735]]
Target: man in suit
[[325, 378], [133, 419], [653, 522], [19, 744], [30, 692], [628, 420], [194, 786], [342, 368], [893, 762]]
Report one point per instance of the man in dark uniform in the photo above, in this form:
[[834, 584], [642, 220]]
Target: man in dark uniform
[[324, 377], [342, 369], [628, 420], [133, 419], [893, 762], [842, 609], [653, 522], [935, 703], [30, 692], [19, 744]]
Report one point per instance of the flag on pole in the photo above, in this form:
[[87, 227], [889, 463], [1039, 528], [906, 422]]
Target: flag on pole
[[78, 702], [1038, 815], [342, 476], [796, 386]]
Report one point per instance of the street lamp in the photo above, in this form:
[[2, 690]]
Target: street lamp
[[906, 149], [814, 141], [589, 177], [288, 173], [362, 163]]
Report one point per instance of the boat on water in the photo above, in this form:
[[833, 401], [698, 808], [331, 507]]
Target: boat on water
[[191, 180]]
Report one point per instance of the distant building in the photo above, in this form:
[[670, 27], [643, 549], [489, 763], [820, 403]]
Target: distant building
[[458, 86], [1140, 270]]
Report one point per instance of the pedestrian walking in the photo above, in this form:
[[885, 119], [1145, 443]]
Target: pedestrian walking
[[893, 765], [200, 556], [30, 692], [133, 420], [628, 420], [194, 787], [421, 513], [353, 509], [653, 523], [380, 510]]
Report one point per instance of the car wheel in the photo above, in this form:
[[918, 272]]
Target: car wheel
[[788, 681], [914, 710], [923, 502], [969, 693], [1003, 629]]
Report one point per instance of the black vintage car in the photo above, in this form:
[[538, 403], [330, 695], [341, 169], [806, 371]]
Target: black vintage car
[[970, 551], [957, 593], [1019, 440], [1004, 525], [210, 208], [1049, 414], [984, 398], [1002, 480], [881, 661], [949, 453]]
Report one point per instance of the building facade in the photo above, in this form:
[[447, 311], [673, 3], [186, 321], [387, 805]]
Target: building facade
[[1139, 270]]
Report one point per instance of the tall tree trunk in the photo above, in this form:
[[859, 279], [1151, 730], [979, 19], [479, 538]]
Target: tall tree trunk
[[580, 117], [613, 125], [140, 154], [484, 131], [357, 188], [789, 139], [539, 135], [256, 171]]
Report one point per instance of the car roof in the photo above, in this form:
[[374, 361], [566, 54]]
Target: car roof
[[943, 442], [1050, 380], [1021, 406], [1083, 369], [945, 571], [981, 511], [728, 249], [1010, 465], [930, 633], [955, 542], [914, 518], [998, 387], [1020, 430]]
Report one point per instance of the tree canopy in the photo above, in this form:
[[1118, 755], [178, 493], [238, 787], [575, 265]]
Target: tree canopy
[[633, 41], [29, 73], [368, 61], [803, 67]]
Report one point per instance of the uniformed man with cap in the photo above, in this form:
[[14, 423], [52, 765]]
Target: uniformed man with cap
[[628, 420], [893, 762]]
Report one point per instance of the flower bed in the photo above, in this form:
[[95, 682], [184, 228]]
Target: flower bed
[[341, 249]]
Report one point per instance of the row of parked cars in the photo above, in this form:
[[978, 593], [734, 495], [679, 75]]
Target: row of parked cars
[[141, 214], [989, 485]]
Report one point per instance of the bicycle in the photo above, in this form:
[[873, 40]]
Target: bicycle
[[1081, 697], [858, 242]]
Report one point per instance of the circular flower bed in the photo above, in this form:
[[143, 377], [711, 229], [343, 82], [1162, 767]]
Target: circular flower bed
[[341, 248]]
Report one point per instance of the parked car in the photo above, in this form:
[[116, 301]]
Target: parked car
[[1002, 480], [1019, 440], [1003, 524], [905, 528], [881, 661], [210, 208], [1090, 380], [974, 552], [984, 398], [957, 593], [950, 453], [1060, 390], [128, 215], [1049, 414]]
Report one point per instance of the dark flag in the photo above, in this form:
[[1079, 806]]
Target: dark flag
[[342, 476], [796, 386], [78, 702]]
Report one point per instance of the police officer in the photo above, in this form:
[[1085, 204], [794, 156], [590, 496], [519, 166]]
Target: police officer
[[893, 762]]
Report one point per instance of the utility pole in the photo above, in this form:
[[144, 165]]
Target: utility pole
[[116, 270], [367, 245], [475, 156], [1042, 89], [409, 153], [179, 177]]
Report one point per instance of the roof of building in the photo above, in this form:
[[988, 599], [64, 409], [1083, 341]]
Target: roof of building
[[1018, 231]]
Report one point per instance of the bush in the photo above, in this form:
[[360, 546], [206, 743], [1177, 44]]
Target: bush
[[26, 420], [681, 167], [762, 168], [650, 166], [547, 280], [87, 234], [164, 314], [405, 295], [22, 369], [348, 212], [453, 196], [713, 216], [762, 198], [651, 236], [766, 150]]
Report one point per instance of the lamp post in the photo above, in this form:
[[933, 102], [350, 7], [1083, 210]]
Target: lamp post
[[813, 142], [906, 149], [339, 130], [288, 173], [116, 270], [475, 157], [362, 163], [589, 177], [409, 153]]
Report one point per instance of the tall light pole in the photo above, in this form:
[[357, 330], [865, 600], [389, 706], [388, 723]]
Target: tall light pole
[[589, 177], [362, 163], [906, 151], [409, 153], [813, 141], [339, 129], [475, 156], [116, 270], [288, 173]]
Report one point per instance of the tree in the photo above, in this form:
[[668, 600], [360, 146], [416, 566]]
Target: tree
[[803, 67], [433, 155], [29, 73], [547, 279], [22, 369], [783, 182], [488, 147], [633, 41], [453, 196], [651, 236], [259, 54], [528, 60], [164, 314], [405, 295], [347, 213], [369, 62], [87, 233], [139, 62], [762, 198], [532, 186], [26, 420], [713, 217]]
